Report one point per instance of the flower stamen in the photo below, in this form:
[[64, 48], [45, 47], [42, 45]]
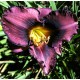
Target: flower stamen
[[39, 35]]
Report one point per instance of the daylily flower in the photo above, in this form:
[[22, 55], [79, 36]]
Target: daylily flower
[[41, 31]]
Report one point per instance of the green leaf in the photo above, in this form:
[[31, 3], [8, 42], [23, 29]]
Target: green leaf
[[24, 75], [2, 33], [4, 4], [26, 63], [7, 53], [4, 68], [61, 5], [12, 72], [72, 74], [3, 41], [0, 27], [27, 3], [3, 49], [53, 5], [9, 61], [73, 6], [14, 3]]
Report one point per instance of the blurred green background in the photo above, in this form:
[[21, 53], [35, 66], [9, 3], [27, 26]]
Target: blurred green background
[[23, 66]]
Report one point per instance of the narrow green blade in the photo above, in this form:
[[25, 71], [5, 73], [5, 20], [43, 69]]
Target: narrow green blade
[[53, 5], [4, 4]]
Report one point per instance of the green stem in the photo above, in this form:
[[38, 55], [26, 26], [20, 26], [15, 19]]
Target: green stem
[[38, 73], [2, 62], [4, 68]]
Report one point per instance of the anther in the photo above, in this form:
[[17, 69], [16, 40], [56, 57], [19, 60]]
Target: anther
[[39, 35]]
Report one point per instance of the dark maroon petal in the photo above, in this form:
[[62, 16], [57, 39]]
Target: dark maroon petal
[[45, 56], [16, 21], [44, 11], [64, 24]]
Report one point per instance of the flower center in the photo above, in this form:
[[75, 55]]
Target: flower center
[[39, 35]]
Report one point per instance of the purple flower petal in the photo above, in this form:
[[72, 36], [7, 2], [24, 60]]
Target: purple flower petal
[[45, 56], [44, 11], [57, 47], [16, 21], [64, 25]]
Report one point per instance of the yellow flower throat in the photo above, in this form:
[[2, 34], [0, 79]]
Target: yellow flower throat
[[39, 35]]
